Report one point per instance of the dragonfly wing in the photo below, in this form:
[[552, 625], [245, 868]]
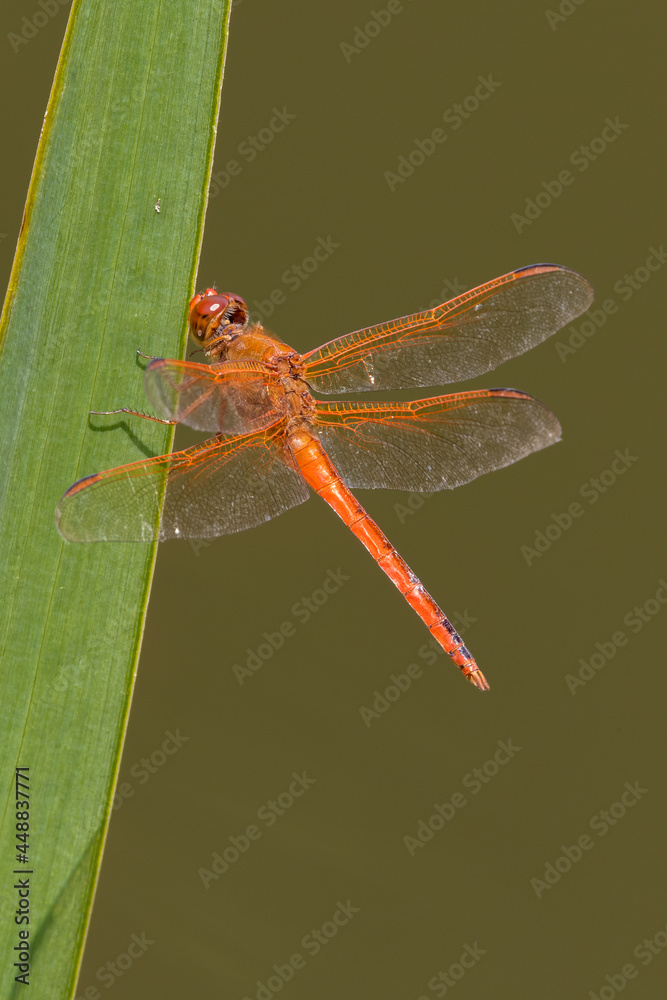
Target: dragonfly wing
[[433, 444], [235, 397], [218, 487], [457, 340]]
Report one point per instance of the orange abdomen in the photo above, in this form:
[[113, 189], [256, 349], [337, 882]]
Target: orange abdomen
[[320, 473]]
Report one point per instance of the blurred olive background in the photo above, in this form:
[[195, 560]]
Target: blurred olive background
[[541, 873]]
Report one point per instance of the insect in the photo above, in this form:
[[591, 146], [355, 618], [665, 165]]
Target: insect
[[273, 440]]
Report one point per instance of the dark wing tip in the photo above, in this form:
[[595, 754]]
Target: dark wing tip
[[78, 485], [61, 509], [555, 429], [583, 283]]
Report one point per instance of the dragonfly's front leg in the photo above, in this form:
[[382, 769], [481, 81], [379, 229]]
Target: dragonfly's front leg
[[132, 413], [135, 413]]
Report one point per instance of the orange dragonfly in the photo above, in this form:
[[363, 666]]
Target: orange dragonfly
[[272, 439]]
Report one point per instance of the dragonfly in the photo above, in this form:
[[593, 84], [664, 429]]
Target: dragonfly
[[273, 441]]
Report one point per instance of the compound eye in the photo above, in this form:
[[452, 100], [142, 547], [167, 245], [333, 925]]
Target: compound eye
[[211, 311], [203, 308]]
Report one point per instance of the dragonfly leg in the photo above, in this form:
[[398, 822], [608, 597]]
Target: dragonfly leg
[[132, 413]]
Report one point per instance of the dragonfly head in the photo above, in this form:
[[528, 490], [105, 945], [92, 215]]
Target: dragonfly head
[[211, 316]]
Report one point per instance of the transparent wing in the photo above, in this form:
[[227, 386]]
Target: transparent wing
[[219, 487], [235, 397], [433, 444], [457, 340]]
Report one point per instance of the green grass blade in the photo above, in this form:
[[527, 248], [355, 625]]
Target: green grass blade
[[99, 272]]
